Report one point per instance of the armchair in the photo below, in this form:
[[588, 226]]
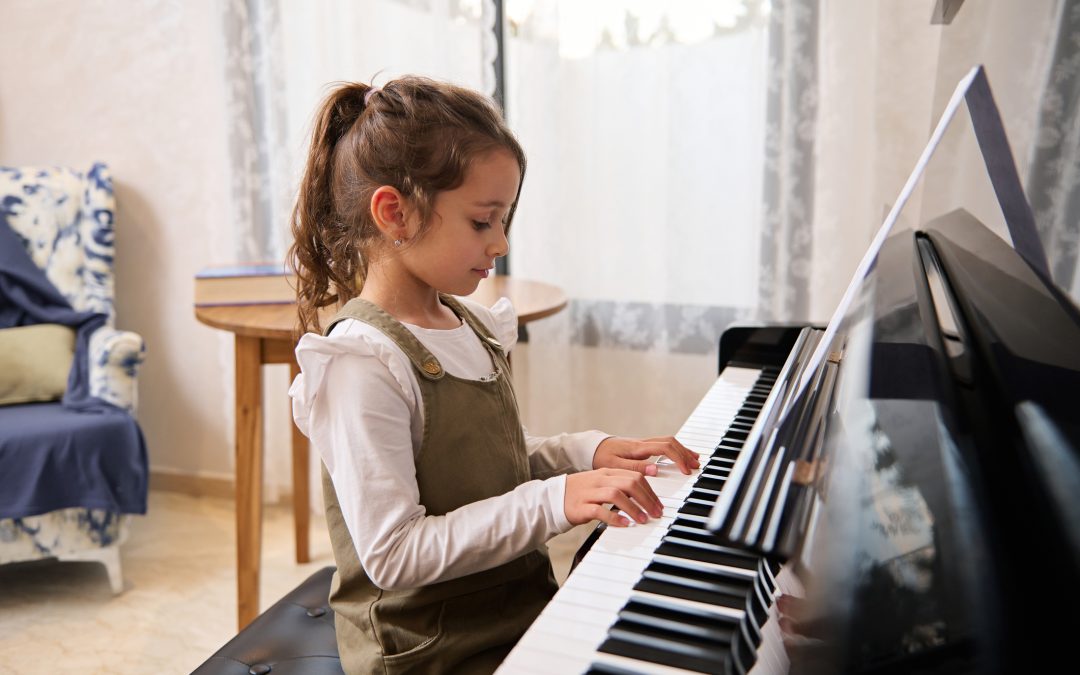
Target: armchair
[[72, 471]]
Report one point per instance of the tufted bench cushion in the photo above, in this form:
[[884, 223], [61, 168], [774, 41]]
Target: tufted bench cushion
[[295, 635]]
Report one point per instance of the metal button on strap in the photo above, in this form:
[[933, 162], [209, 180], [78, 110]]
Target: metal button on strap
[[316, 612], [432, 367], [259, 669]]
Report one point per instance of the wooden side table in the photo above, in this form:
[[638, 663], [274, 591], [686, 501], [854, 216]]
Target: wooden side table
[[264, 334]]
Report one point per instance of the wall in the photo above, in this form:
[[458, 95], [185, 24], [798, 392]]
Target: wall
[[137, 85], [140, 85], [886, 75]]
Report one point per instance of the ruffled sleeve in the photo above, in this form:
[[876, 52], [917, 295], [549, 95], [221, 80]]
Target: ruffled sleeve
[[506, 323], [315, 352]]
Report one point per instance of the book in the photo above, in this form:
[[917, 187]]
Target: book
[[245, 284]]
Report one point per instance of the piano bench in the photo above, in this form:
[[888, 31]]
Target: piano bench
[[295, 635]]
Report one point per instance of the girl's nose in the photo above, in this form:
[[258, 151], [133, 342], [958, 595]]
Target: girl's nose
[[500, 246]]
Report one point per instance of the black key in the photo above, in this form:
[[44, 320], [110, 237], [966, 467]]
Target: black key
[[705, 538], [768, 579], [674, 590], [689, 658], [671, 641], [704, 579], [696, 510], [723, 459], [605, 669], [686, 549], [684, 525], [757, 609], [742, 652], [707, 482], [713, 494], [699, 497], [689, 621]]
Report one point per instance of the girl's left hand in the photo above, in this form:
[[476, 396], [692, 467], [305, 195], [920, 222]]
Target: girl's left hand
[[633, 454]]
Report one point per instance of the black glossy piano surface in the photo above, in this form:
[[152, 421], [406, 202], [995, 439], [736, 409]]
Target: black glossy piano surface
[[941, 528], [947, 540]]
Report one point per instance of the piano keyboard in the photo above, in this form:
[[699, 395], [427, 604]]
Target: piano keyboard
[[662, 597]]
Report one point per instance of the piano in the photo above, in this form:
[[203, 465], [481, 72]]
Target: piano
[[906, 502]]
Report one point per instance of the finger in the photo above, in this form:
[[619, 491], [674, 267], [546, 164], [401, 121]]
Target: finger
[[642, 493], [613, 495], [641, 466], [684, 458], [608, 516]]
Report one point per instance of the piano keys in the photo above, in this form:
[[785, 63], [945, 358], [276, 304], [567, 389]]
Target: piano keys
[[662, 596]]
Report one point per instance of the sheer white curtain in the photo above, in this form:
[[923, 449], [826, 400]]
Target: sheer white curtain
[[280, 58], [886, 73], [643, 125]]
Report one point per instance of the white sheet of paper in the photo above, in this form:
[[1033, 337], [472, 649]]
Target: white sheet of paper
[[875, 246]]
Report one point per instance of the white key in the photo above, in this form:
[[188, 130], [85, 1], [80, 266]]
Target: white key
[[566, 635]]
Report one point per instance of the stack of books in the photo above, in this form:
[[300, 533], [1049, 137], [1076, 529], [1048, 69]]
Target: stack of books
[[245, 284]]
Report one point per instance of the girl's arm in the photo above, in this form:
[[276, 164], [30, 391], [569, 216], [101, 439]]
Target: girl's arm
[[361, 423], [565, 453]]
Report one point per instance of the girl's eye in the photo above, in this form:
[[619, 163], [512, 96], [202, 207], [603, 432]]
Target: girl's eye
[[480, 225]]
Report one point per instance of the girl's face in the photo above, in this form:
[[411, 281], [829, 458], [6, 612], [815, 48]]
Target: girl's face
[[468, 231]]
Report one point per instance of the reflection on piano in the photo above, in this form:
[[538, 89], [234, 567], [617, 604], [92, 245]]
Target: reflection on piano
[[914, 511], [916, 508]]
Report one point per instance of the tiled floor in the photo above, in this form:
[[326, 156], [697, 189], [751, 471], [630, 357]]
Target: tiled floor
[[178, 604]]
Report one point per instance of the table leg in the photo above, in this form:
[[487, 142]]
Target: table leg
[[301, 492], [249, 476]]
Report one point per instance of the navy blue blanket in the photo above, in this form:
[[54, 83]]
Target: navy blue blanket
[[81, 452]]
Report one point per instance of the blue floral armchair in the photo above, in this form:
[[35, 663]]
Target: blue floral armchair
[[64, 220]]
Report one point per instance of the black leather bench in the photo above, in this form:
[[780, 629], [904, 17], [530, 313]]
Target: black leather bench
[[295, 635]]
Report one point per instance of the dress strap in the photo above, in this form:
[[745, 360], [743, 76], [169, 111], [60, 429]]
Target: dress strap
[[476, 324], [367, 312]]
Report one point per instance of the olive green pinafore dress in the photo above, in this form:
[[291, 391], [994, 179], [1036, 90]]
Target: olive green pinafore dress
[[472, 448]]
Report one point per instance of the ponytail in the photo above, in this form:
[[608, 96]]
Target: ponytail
[[323, 253]]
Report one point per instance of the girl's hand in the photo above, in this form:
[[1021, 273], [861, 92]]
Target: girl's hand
[[588, 491], [631, 454]]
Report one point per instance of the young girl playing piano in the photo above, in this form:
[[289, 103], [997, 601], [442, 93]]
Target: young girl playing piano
[[437, 501]]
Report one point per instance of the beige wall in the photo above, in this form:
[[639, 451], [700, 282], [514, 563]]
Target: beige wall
[[138, 85]]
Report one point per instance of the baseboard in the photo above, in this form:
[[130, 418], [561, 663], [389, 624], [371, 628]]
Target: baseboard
[[192, 484], [202, 485]]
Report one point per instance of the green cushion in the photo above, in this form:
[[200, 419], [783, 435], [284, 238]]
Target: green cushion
[[34, 362]]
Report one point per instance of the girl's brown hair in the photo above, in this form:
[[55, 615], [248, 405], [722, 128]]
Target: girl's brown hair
[[414, 134]]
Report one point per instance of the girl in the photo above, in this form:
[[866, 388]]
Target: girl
[[437, 501]]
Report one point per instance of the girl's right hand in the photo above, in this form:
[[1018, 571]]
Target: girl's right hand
[[588, 491]]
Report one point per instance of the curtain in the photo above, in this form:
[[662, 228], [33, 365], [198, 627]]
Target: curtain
[[787, 240], [643, 199], [885, 75], [279, 60], [1054, 181]]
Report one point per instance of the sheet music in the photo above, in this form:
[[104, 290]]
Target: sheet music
[[870, 257]]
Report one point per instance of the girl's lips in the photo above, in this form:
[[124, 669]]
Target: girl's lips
[[483, 273]]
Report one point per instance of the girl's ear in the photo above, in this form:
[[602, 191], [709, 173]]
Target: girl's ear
[[388, 208]]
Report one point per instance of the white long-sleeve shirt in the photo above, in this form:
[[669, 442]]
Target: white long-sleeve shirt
[[364, 416]]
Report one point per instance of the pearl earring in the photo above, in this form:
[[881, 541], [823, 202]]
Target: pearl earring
[[397, 242]]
